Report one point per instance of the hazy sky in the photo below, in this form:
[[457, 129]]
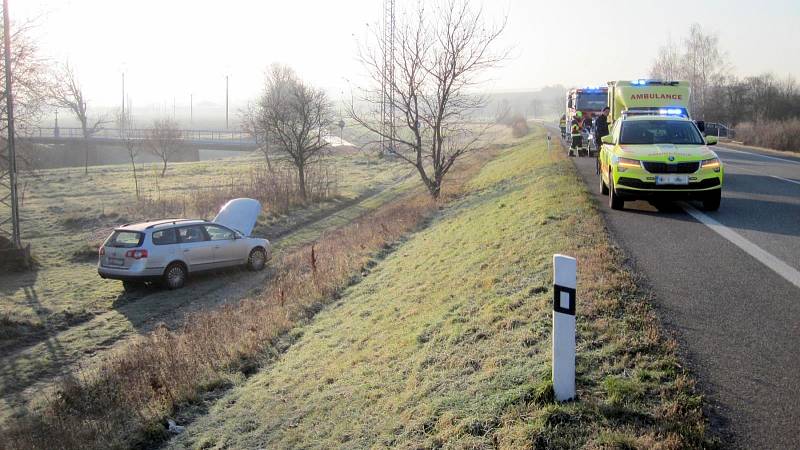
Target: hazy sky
[[171, 48]]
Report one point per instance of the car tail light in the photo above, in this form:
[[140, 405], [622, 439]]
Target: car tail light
[[136, 254], [101, 251]]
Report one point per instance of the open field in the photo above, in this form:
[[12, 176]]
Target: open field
[[333, 228], [447, 341], [62, 315]]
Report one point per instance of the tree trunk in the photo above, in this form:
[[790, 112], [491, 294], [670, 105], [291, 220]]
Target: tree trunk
[[86, 157], [164, 169], [135, 180], [435, 188], [301, 178]]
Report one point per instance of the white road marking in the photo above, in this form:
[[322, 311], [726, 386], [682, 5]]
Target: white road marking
[[785, 179], [789, 273], [728, 149]]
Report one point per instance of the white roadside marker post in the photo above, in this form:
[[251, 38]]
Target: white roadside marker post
[[564, 284]]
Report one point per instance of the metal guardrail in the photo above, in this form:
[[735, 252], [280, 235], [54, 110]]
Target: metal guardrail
[[141, 133], [720, 130]]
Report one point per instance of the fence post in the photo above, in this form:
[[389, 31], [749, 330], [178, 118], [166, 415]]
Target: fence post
[[564, 285]]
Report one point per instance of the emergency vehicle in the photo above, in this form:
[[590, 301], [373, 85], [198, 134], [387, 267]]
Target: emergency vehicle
[[654, 150], [589, 100], [657, 97]]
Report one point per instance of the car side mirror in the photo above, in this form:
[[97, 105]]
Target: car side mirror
[[701, 125], [607, 139], [711, 140]]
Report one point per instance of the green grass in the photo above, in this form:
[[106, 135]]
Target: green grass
[[63, 314], [447, 342]]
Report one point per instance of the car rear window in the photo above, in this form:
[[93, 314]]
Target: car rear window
[[165, 237], [660, 132], [125, 239]]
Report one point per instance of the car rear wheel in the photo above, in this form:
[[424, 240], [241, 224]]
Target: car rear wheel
[[175, 276], [711, 201], [257, 259], [614, 200]]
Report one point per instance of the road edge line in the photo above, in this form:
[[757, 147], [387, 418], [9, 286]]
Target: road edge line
[[789, 273], [758, 154]]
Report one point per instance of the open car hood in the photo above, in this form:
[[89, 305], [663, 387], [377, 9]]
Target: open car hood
[[239, 214]]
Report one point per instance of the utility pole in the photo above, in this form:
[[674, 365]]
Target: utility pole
[[387, 81], [10, 199], [226, 102]]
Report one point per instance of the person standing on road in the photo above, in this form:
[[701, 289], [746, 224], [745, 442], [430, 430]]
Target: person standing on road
[[600, 130], [575, 131], [601, 126]]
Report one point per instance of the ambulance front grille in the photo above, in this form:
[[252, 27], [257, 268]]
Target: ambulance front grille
[[660, 167]]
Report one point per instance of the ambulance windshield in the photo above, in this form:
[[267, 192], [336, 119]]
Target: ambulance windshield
[[660, 132]]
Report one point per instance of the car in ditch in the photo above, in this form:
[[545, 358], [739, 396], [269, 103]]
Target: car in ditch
[[170, 250], [654, 157]]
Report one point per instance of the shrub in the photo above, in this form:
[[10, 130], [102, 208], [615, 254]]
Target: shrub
[[775, 134]]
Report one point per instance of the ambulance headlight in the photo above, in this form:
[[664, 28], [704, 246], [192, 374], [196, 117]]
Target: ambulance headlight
[[624, 164], [713, 163]]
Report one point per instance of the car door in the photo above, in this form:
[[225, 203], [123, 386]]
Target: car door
[[228, 250], [197, 249]]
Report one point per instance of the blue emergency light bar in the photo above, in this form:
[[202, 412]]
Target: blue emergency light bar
[[642, 82], [671, 112]]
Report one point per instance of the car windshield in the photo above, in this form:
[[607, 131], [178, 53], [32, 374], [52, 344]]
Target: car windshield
[[125, 239], [594, 102], [660, 132]]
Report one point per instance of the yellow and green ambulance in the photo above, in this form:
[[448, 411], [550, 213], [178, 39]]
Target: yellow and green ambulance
[[654, 150]]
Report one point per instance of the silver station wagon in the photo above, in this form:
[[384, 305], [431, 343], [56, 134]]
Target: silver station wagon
[[169, 250]]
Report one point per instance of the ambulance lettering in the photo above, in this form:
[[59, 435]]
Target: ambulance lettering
[[657, 97]]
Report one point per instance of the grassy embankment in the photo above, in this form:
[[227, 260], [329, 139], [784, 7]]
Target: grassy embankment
[[63, 315], [447, 341], [122, 400]]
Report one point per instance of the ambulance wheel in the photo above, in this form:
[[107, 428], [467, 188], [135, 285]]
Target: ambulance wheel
[[603, 185], [711, 201], [614, 200]]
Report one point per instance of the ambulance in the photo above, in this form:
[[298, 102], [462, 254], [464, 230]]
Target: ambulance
[[648, 97], [654, 150]]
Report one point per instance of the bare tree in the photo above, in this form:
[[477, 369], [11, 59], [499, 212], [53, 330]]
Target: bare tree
[[438, 60], [163, 140], [667, 65], [254, 123], [66, 92], [131, 141], [503, 111], [296, 117], [30, 87], [704, 65]]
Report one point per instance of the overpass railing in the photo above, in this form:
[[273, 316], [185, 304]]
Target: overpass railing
[[142, 133]]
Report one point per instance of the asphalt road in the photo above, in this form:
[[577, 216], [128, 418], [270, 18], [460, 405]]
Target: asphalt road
[[728, 284]]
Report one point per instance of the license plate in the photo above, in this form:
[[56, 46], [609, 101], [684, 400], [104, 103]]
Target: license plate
[[116, 261], [672, 179]]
